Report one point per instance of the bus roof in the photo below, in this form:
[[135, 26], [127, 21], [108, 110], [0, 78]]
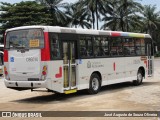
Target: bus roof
[[58, 29]]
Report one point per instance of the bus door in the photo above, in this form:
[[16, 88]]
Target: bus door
[[149, 55], [69, 64]]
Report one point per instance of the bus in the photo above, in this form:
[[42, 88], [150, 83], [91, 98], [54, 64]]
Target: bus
[[65, 60], [1, 59], [1, 63]]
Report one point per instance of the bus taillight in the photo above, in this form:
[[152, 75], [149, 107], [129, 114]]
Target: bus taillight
[[44, 72], [6, 73], [5, 70]]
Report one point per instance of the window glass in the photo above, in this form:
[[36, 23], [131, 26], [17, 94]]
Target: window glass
[[128, 45], [105, 46], [101, 46], [116, 47], [86, 46], [140, 46], [27, 39], [54, 46]]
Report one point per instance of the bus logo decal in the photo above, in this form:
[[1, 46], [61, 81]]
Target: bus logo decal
[[59, 75], [11, 59]]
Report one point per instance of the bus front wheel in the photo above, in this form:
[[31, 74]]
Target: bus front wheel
[[94, 85], [139, 78]]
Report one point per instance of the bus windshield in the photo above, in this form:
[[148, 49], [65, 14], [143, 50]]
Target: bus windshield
[[25, 39]]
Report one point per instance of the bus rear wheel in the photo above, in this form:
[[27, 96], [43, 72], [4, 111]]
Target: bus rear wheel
[[139, 78], [94, 85]]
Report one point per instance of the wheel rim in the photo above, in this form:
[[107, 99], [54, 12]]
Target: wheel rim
[[95, 84], [139, 77]]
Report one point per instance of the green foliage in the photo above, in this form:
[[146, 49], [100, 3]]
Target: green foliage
[[22, 14], [125, 15], [95, 9], [78, 16], [56, 10]]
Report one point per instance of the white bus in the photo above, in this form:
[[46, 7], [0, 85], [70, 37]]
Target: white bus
[[1, 59], [1, 63], [65, 60]]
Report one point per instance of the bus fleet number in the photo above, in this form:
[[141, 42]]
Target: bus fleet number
[[32, 59]]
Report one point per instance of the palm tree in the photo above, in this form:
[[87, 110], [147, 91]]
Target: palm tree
[[55, 8], [151, 18], [128, 7], [96, 8], [78, 16], [123, 16]]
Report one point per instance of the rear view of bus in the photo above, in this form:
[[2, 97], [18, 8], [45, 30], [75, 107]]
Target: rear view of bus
[[25, 57]]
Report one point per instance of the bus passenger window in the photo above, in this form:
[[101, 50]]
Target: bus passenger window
[[54, 46], [128, 44], [140, 46], [116, 47], [86, 46], [101, 46]]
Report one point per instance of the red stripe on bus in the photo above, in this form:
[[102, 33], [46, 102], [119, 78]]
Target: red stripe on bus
[[145, 62], [114, 66], [45, 52], [5, 57], [114, 34]]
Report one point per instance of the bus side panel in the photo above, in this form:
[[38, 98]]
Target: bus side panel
[[116, 72], [111, 70], [133, 64], [131, 67], [55, 75]]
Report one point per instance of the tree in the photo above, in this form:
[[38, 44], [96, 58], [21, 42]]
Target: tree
[[22, 14], [151, 18], [124, 15], [95, 8], [78, 16], [56, 10]]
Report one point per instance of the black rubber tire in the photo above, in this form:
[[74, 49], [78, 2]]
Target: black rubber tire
[[139, 78], [91, 89]]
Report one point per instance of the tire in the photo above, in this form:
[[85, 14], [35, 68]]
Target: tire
[[94, 84], [139, 78]]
